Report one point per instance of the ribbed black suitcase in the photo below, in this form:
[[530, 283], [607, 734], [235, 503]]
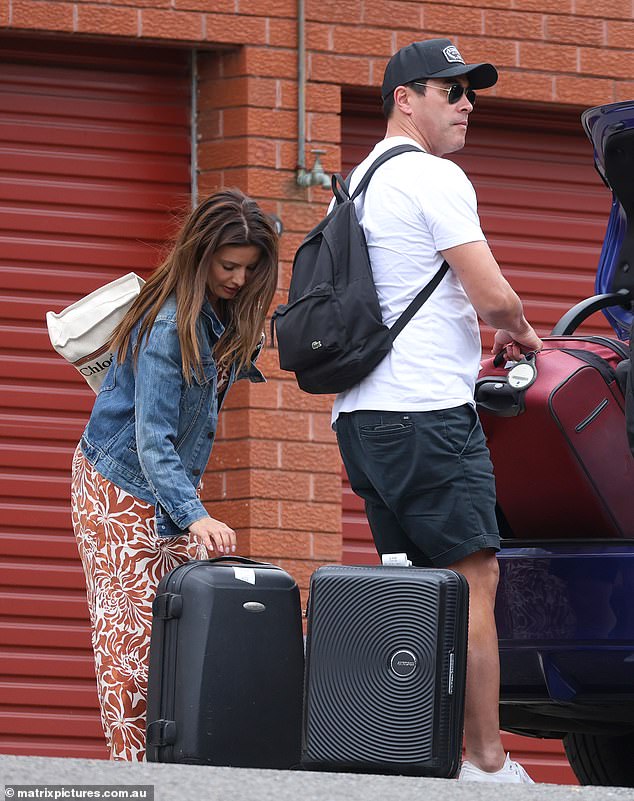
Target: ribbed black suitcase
[[385, 670], [226, 666]]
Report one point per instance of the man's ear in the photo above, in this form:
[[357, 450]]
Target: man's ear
[[401, 100]]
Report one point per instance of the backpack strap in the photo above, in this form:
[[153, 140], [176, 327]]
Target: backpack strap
[[349, 177], [339, 188], [427, 290], [418, 301], [389, 154]]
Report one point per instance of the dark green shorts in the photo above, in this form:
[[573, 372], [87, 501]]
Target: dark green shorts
[[427, 481]]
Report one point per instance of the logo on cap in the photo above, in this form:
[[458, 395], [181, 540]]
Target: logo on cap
[[452, 54]]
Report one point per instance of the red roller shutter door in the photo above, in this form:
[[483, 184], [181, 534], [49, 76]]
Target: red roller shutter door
[[544, 211], [94, 155]]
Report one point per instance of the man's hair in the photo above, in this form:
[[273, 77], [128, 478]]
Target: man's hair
[[388, 103]]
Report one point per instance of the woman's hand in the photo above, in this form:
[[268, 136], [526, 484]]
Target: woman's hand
[[214, 535]]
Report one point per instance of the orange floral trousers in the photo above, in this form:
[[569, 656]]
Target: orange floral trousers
[[123, 561]]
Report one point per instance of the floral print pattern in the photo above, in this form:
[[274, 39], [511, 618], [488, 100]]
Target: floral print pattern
[[123, 561]]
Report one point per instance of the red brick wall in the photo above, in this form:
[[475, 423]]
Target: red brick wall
[[275, 472], [276, 464]]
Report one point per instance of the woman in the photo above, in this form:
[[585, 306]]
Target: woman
[[193, 331]]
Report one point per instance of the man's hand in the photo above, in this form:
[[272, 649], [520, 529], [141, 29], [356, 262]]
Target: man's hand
[[514, 345], [214, 534]]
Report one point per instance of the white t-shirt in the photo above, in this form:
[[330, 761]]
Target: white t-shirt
[[415, 206]]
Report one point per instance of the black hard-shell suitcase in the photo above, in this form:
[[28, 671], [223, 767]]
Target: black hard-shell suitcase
[[226, 666], [385, 670]]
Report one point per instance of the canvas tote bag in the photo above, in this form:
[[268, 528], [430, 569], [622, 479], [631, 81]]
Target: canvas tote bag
[[80, 332]]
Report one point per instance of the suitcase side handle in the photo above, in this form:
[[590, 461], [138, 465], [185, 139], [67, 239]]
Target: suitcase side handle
[[494, 395]]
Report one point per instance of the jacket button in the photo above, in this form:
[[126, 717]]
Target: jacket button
[[195, 472]]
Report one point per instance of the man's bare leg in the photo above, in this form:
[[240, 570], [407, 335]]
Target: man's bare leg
[[482, 725]]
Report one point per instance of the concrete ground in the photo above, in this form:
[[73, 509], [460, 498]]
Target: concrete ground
[[185, 782]]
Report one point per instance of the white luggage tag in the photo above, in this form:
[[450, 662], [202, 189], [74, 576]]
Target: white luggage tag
[[523, 373]]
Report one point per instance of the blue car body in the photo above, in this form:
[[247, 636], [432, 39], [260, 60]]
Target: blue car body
[[566, 630], [565, 608]]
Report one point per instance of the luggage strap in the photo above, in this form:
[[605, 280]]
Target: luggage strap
[[594, 360]]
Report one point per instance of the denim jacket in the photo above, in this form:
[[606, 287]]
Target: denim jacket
[[151, 433]]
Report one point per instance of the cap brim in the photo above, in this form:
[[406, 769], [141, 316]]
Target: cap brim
[[481, 76]]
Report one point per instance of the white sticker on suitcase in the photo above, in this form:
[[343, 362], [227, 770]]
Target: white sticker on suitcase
[[399, 559], [245, 574]]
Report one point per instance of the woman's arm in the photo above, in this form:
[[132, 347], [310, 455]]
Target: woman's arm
[[158, 387]]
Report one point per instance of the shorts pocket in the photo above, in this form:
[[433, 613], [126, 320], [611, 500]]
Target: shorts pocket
[[462, 428], [387, 432]]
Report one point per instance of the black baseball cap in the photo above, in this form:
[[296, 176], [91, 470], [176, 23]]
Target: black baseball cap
[[434, 58]]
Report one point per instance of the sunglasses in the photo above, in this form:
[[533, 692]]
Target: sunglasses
[[454, 92]]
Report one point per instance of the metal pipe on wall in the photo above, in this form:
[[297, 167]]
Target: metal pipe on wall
[[316, 176], [301, 85], [194, 130]]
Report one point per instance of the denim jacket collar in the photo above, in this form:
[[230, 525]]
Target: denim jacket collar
[[211, 317]]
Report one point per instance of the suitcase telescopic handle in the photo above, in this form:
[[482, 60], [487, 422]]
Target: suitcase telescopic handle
[[573, 318]]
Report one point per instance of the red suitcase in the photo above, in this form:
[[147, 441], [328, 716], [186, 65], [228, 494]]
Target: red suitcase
[[559, 448]]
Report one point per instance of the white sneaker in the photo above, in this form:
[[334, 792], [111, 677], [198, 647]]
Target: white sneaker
[[511, 772]]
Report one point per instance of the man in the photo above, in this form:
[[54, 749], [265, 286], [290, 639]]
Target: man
[[409, 434]]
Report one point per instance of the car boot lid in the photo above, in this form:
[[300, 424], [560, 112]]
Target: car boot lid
[[610, 128]]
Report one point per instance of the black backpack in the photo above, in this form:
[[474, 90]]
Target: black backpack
[[330, 333]]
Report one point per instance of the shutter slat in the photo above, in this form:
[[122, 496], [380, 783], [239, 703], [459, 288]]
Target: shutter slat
[[91, 164], [41, 546], [42, 575], [31, 694], [53, 191], [21, 720], [76, 222], [61, 746], [44, 606], [41, 427]]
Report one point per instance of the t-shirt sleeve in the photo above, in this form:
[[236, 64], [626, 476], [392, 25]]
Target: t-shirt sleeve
[[449, 206]]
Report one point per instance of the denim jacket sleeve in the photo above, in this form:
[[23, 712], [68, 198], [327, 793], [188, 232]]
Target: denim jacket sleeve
[[158, 389], [250, 371]]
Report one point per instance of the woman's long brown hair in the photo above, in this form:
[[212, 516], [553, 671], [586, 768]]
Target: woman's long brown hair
[[226, 218]]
